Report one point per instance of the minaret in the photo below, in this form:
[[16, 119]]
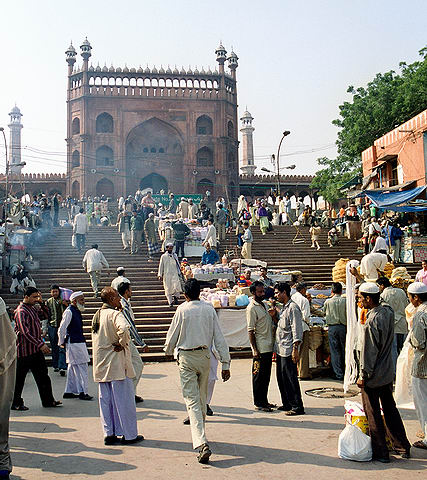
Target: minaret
[[248, 166], [15, 126]]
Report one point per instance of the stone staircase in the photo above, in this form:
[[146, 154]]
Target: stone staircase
[[61, 264]]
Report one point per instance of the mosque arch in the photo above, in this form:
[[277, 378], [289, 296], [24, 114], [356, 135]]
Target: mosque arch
[[104, 123], [105, 187]]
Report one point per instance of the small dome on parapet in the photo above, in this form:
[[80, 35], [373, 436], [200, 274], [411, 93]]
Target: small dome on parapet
[[111, 69], [209, 72], [154, 70], [162, 70], [91, 68], [118, 70], [182, 71], [169, 70], [202, 71], [126, 69], [196, 72], [147, 69], [189, 71], [132, 70], [140, 70], [175, 71], [105, 68], [98, 68]]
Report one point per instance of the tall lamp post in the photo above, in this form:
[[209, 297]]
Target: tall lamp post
[[7, 170], [22, 164], [289, 167], [285, 134]]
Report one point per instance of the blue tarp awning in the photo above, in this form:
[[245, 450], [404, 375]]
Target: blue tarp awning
[[392, 199]]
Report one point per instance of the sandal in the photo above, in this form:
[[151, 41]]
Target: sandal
[[264, 409], [420, 444]]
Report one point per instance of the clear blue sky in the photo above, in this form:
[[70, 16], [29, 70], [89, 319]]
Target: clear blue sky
[[296, 60]]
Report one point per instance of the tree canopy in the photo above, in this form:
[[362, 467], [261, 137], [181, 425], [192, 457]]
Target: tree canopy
[[389, 100]]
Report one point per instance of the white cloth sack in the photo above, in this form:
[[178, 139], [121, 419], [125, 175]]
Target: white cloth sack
[[73, 240], [350, 375], [354, 445], [403, 386]]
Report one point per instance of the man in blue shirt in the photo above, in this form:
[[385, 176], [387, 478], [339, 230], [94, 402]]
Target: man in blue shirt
[[209, 256]]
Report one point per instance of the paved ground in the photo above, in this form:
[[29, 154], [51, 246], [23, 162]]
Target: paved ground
[[66, 443]]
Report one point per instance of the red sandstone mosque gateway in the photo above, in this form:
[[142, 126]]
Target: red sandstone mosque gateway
[[163, 128]]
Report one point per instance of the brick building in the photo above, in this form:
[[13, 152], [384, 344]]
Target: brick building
[[167, 129], [398, 158]]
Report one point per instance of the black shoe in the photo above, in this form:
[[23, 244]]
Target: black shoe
[[62, 373], [406, 454], [138, 399], [56, 403], [204, 454], [175, 300], [84, 396], [283, 408], [186, 421], [137, 439], [70, 395], [111, 440], [381, 459], [21, 408], [209, 411]]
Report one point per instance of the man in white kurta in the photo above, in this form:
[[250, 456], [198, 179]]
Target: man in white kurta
[[113, 370], [371, 264], [210, 235], [169, 273], [70, 337], [93, 262], [193, 210]]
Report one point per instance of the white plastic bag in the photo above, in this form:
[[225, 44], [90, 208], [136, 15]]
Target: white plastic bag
[[73, 241], [403, 388], [354, 445]]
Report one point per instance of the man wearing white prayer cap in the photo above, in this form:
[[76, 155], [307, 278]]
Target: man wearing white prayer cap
[[70, 337], [417, 337], [377, 375], [120, 278], [170, 272]]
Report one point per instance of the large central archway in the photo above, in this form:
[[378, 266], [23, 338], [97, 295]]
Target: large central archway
[[155, 145], [154, 181]]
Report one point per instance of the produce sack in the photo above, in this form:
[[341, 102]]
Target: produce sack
[[354, 445]]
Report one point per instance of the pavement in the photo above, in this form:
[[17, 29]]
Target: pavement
[[67, 442]]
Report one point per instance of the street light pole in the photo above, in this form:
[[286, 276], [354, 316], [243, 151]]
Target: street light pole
[[7, 171], [285, 134]]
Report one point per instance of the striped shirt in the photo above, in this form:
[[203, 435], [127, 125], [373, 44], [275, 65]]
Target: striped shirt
[[28, 330], [130, 318]]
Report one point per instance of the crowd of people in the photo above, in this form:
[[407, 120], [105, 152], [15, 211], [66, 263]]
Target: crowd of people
[[277, 323]]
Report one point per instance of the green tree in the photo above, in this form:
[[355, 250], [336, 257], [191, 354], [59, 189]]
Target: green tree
[[389, 100]]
